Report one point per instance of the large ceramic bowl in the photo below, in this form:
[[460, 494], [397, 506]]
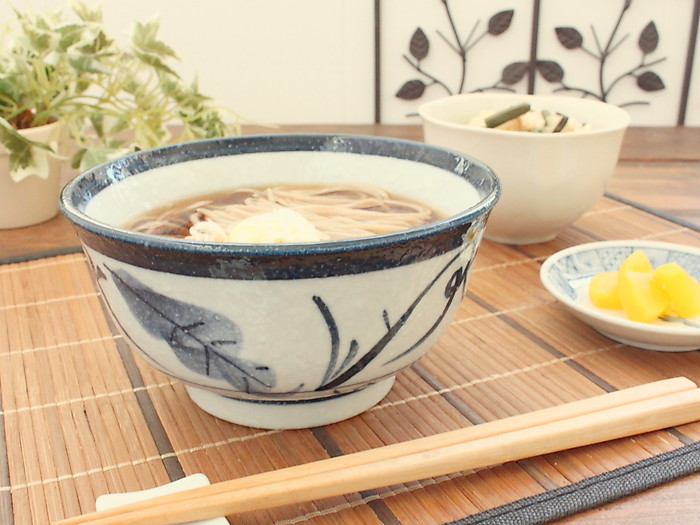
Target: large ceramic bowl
[[283, 335], [548, 179]]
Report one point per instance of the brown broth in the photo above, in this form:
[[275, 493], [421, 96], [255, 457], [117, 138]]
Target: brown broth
[[175, 219]]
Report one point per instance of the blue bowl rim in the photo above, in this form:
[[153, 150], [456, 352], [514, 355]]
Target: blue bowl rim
[[246, 144]]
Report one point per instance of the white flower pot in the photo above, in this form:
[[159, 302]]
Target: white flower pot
[[31, 197]]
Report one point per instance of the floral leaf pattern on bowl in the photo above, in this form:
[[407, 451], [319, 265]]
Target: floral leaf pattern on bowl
[[202, 340], [208, 343], [346, 371]]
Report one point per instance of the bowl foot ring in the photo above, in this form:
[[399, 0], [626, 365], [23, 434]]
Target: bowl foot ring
[[290, 414]]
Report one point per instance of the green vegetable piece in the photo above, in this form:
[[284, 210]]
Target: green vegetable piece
[[505, 115], [561, 124]]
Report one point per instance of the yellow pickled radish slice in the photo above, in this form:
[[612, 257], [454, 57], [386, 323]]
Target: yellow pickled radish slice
[[637, 261], [603, 290], [682, 290], [642, 298]]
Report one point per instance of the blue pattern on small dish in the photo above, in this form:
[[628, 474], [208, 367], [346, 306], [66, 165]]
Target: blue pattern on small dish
[[566, 275]]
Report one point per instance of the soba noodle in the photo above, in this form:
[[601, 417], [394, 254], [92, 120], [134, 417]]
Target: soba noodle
[[337, 212]]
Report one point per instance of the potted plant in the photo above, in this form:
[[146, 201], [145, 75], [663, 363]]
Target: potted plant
[[70, 92]]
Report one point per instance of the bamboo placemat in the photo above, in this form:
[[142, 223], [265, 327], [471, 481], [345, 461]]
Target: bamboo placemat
[[83, 416]]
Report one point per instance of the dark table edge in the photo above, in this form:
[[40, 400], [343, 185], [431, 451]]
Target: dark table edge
[[593, 492]]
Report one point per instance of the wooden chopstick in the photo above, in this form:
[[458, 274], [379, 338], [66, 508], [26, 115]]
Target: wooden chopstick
[[609, 416]]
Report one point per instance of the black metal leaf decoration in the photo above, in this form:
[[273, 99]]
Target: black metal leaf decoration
[[649, 38], [420, 45], [650, 81], [514, 73], [569, 37], [499, 22], [411, 90], [204, 341], [550, 70]]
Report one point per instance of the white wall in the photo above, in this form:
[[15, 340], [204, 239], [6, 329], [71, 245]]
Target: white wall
[[313, 61], [273, 61]]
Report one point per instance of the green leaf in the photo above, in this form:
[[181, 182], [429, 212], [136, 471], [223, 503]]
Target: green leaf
[[144, 39], [70, 35], [87, 64], [86, 14], [155, 61], [9, 92], [94, 156], [20, 153], [97, 121], [68, 67], [77, 158], [118, 126], [40, 41], [100, 45], [19, 147]]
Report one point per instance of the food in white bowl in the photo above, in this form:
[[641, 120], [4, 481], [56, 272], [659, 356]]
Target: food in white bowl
[[522, 117], [548, 180], [567, 275], [286, 333], [286, 213]]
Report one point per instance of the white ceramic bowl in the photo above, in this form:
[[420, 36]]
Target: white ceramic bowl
[[548, 179], [285, 335], [566, 275]]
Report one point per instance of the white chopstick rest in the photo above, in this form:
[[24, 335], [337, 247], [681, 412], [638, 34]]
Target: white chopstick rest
[[110, 501]]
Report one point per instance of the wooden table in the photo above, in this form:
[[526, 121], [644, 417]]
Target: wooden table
[[659, 172]]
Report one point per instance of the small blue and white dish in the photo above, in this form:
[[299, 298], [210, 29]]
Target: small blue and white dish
[[566, 275], [287, 335]]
